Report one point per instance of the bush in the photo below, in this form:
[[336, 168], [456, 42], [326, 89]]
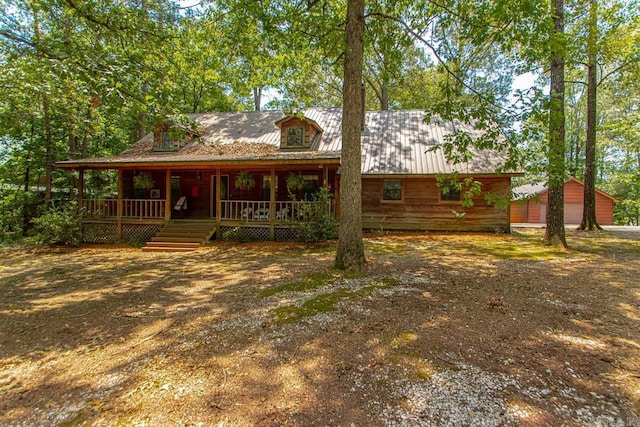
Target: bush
[[237, 234], [16, 210], [60, 225], [318, 224]]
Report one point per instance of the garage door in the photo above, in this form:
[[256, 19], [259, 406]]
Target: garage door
[[572, 213]]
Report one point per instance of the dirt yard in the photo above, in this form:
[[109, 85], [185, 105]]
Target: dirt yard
[[442, 329]]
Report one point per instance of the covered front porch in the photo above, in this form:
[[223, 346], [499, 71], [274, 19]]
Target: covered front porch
[[254, 197]]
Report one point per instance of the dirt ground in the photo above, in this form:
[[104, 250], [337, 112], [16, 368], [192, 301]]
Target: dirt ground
[[441, 329]]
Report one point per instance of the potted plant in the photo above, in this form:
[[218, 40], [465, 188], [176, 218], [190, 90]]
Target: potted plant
[[295, 182], [143, 181], [244, 181]]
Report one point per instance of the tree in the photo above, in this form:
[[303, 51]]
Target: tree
[[589, 221], [555, 233], [350, 253]]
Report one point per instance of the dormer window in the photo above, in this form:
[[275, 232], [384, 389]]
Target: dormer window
[[298, 132], [172, 136], [166, 142], [295, 136]]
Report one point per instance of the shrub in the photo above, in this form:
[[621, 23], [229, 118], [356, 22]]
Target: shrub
[[60, 225], [237, 234], [318, 225]]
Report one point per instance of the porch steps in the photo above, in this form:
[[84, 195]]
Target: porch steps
[[181, 236]]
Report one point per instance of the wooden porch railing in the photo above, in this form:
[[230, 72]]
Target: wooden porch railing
[[255, 211], [131, 208], [231, 210]]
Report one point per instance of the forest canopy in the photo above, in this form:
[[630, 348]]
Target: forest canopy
[[85, 79]]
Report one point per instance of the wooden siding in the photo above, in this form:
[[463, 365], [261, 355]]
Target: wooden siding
[[573, 195], [519, 211], [421, 209]]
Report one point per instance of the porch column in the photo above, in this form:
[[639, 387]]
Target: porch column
[[119, 217], [167, 196], [272, 205], [216, 190]]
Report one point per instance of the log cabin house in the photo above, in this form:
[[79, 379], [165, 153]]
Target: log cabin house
[[233, 172]]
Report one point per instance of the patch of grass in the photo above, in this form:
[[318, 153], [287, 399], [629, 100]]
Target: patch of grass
[[308, 283], [324, 303], [403, 340], [79, 419]]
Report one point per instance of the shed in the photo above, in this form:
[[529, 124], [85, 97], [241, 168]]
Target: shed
[[529, 204]]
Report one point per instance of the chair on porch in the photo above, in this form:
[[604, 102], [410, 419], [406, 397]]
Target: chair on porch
[[180, 207], [247, 213], [282, 214], [262, 214]]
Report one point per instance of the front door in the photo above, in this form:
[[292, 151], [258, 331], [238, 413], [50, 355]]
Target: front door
[[223, 188]]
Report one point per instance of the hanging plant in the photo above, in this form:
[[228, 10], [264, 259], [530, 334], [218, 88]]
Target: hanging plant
[[295, 182], [143, 181], [244, 181]]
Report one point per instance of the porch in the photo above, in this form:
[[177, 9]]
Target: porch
[[266, 208]]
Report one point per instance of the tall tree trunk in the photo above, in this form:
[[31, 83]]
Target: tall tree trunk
[[555, 233], [73, 154], [27, 180], [589, 220], [350, 253], [48, 150], [257, 98], [384, 99], [142, 119]]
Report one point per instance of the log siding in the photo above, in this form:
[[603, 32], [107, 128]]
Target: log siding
[[421, 208]]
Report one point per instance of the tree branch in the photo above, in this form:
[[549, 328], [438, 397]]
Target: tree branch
[[442, 62]]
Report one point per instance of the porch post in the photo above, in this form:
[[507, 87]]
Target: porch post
[[167, 196], [216, 190], [272, 205], [119, 217]]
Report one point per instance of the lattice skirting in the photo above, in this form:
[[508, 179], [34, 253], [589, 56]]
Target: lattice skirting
[[286, 235], [99, 233], [252, 234], [135, 234]]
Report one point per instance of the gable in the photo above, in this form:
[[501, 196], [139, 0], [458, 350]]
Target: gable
[[297, 133]]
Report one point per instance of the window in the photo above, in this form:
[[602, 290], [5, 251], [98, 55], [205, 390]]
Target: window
[[295, 136], [392, 189], [450, 191]]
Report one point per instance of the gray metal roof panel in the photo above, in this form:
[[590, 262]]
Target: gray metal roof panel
[[393, 142]]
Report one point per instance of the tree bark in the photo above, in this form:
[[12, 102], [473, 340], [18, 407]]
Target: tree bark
[[48, 150], [350, 253], [142, 119], [257, 98], [589, 220], [555, 233]]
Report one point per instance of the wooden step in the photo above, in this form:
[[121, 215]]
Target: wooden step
[[165, 249], [181, 236], [165, 244]]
